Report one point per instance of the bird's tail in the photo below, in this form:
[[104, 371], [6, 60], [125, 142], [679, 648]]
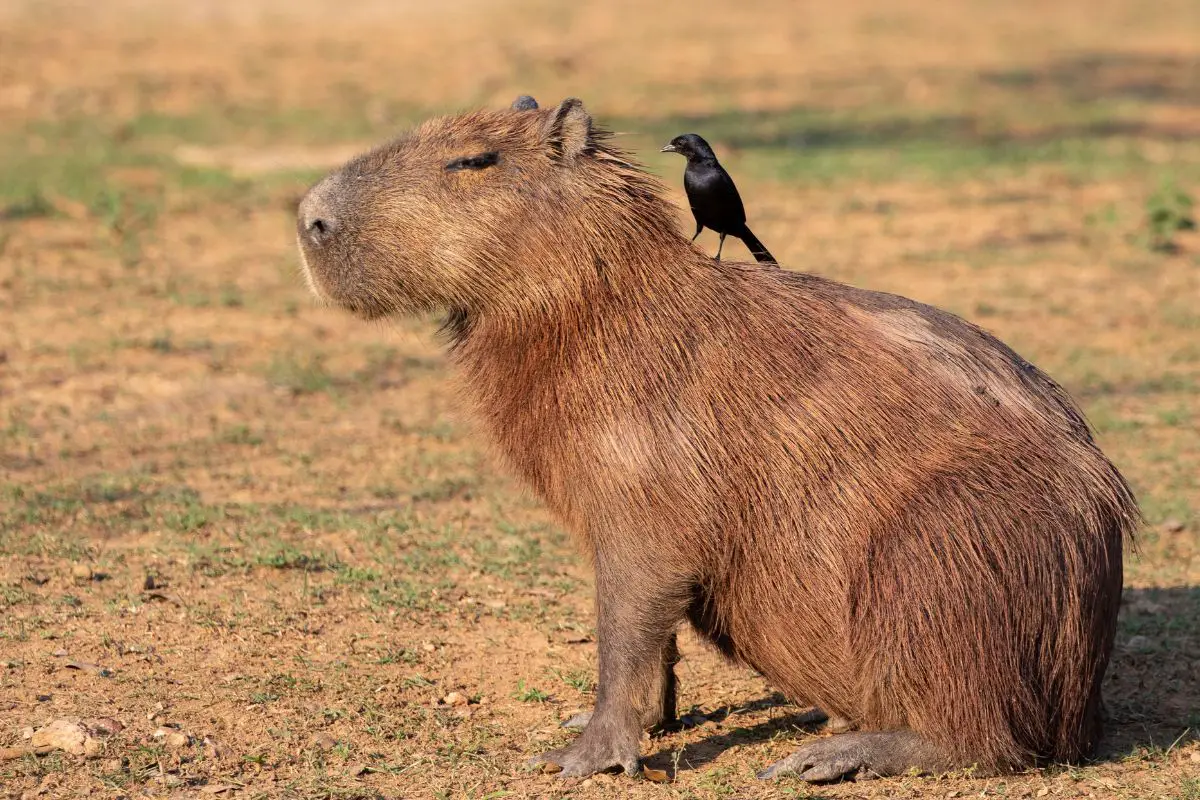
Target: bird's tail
[[760, 253]]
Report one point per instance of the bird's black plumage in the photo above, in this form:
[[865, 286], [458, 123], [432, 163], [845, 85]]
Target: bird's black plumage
[[713, 196]]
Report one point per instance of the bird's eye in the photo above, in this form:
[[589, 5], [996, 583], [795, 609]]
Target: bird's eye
[[481, 161]]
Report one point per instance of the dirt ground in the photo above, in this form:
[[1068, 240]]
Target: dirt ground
[[259, 538]]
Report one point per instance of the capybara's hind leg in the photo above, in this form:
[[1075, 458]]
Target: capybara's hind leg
[[875, 754], [657, 717]]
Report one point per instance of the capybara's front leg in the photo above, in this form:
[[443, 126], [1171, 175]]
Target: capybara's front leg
[[660, 716], [635, 628]]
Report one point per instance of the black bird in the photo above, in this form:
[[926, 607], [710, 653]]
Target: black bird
[[714, 199]]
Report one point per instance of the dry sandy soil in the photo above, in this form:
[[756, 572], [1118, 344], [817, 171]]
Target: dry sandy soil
[[259, 535]]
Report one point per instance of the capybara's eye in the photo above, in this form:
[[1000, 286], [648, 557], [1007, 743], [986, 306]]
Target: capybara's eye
[[481, 161]]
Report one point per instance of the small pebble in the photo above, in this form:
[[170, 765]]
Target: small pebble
[[1139, 644], [81, 571], [455, 699], [172, 738]]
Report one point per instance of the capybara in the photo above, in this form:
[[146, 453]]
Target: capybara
[[877, 505]]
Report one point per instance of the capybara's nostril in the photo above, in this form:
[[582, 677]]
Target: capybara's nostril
[[316, 220], [318, 228]]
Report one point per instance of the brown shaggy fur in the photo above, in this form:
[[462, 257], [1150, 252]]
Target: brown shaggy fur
[[879, 506]]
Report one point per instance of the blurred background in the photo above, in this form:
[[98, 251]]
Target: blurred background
[[266, 532]]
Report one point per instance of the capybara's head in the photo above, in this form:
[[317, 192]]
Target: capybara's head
[[451, 214]]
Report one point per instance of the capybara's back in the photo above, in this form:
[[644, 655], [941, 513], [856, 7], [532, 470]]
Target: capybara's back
[[945, 553], [879, 506]]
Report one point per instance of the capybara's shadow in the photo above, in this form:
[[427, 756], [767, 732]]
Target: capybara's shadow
[[1151, 690]]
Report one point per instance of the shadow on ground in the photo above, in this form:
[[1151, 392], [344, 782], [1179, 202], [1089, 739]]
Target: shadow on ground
[[787, 722], [1152, 690]]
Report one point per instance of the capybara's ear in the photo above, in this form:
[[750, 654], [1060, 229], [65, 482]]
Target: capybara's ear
[[569, 131], [524, 103]]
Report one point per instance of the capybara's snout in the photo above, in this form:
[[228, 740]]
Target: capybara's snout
[[317, 218], [322, 225]]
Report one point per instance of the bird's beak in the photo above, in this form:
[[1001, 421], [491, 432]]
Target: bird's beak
[[669, 149]]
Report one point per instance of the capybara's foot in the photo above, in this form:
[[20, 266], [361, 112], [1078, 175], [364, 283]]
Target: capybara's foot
[[858, 755], [590, 754]]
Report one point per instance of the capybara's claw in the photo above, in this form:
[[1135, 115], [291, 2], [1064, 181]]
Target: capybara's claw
[[806, 769], [544, 760]]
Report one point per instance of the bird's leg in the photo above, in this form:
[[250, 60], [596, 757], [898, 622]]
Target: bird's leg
[[719, 246], [699, 228]]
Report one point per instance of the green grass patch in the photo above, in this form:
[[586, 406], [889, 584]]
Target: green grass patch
[[300, 375], [79, 161], [883, 143], [530, 694]]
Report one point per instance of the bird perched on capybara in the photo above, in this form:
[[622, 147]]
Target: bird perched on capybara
[[880, 507], [713, 196]]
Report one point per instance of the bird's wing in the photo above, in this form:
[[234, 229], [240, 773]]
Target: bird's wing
[[714, 199], [735, 199]]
